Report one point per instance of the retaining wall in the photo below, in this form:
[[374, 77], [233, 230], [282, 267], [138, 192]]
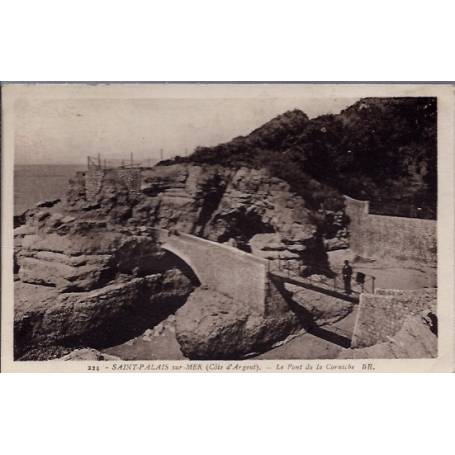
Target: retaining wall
[[381, 315], [97, 178], [400, 238], [93, 182]]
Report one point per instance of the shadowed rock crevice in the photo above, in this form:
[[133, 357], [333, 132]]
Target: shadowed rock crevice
[[101, 318], [211, 194], [241, 225], [149, 308]]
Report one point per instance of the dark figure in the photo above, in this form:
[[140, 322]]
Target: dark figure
[[173, 231], [347, 275]]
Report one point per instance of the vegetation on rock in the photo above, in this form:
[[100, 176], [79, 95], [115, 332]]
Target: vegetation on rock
[[379, 149]]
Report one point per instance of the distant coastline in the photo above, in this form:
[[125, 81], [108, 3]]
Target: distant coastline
[[37, 182]]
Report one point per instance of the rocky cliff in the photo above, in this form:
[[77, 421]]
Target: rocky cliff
[[246, 207], [88, 283], [107, 278]]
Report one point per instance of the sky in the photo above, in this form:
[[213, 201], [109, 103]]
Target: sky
[[66, 130]]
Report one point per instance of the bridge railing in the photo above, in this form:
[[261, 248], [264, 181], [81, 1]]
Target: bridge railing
[[360, 281]]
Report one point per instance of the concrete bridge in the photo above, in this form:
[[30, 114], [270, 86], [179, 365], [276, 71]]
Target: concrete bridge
[[222, 268], [238, 274]]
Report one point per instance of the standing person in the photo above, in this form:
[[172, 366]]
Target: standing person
[[347, 275]]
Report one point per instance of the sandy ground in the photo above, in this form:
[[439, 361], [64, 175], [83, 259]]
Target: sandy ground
[[388, 275]]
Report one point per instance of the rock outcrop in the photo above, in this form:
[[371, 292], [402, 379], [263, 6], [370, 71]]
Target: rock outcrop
[[85, 256], [102, 258], [222, 204], [102, 317], [101, 284]]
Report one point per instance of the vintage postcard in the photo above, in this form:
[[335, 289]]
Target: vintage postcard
[[250, 227]]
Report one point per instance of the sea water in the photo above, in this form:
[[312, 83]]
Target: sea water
[[37, 182]]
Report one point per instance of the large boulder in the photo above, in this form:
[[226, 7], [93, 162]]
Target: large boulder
[[213, 326]]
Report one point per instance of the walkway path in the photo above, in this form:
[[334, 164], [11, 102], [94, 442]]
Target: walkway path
[[316, 286]]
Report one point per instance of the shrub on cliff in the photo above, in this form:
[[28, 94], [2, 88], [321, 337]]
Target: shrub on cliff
[[381, 149]]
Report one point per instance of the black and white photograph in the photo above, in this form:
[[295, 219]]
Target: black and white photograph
[[202, 222], [253, 203]]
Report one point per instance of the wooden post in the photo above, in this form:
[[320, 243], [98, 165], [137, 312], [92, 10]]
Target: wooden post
[[372, 279], [99, 160]]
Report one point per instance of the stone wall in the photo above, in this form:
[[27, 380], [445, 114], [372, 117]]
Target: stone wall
[[93, 182], [227, 270], [130, 177], [356, 209], [400, 238], [96, 178], [382, 315]]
